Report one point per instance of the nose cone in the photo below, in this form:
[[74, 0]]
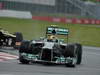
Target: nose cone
[[48, 45]]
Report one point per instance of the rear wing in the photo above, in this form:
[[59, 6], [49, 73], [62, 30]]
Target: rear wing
[[57, 31]]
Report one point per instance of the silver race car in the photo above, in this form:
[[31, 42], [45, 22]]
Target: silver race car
[[51, 50]]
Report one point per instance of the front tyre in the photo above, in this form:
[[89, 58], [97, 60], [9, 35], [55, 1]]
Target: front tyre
[[23, 61], [70, 65], [71, 53], [79, 53], [23, 49]]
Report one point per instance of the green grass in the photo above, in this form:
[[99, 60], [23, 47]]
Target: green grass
[[85, 34]]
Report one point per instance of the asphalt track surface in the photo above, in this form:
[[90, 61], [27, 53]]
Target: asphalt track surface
[[90, 66]]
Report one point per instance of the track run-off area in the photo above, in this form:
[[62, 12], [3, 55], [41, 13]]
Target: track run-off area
[[9, 64]]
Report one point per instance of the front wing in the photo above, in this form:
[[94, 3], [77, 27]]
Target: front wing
[[37, 58]]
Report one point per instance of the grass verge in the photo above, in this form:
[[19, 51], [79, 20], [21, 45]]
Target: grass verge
[[85, 34]]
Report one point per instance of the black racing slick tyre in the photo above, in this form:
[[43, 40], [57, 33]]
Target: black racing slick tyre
[[24, 46], [69, 51], [18, 39], [1, 44], [70, 65], [23, 61], [79, 53], [19, 36]]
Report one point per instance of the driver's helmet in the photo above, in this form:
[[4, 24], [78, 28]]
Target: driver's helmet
[[52, 38]]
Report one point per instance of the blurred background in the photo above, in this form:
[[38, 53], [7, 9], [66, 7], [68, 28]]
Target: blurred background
[[68, 8], [31, 17]]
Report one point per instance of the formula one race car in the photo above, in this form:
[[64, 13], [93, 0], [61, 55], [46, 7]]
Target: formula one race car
[[51, 50], [10, 40]]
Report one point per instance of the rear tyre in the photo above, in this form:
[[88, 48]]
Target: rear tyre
[[19, 38]]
